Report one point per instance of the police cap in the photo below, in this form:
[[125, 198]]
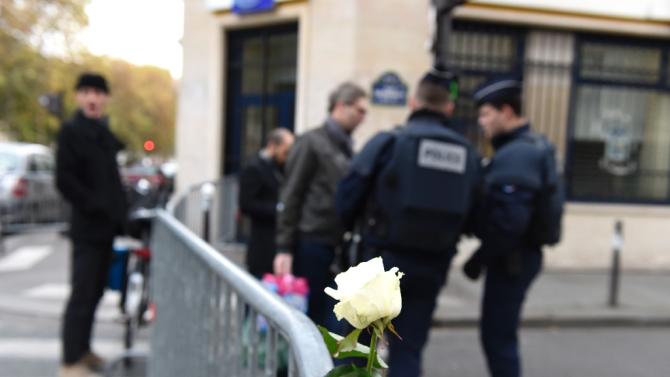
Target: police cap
[[497, 89]]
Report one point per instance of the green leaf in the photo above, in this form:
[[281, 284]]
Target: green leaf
[[348, 371], [329, 339], [360, 351], [349, 343]]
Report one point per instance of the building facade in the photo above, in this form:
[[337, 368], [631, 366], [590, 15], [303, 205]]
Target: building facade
[[596, 82]]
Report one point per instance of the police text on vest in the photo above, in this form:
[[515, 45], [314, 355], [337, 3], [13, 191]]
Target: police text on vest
[[442, 156]]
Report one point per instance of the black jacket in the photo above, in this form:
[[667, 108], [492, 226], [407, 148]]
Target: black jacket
[[513, 179], [87, 176], [317, 163], [259, 191]]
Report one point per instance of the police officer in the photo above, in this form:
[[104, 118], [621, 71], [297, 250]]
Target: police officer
[[413, 189], [520, 212]]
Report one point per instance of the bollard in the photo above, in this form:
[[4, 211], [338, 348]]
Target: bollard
[[2, 239], [617, 246], [207, 192]]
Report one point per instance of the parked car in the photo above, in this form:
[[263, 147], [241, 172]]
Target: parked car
[[133, 174], [28, 193], [148, 185]]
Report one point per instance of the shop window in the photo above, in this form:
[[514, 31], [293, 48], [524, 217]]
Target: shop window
[[620, 143], [621, 63]]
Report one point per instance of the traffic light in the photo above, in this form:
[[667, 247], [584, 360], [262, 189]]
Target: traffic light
[[149, 145]]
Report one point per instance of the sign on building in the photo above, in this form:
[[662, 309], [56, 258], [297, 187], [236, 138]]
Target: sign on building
[[252, 6], [241, 6], [389, 90]]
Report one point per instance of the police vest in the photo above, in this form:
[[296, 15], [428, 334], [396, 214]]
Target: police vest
[[530, 162], [422, 196]]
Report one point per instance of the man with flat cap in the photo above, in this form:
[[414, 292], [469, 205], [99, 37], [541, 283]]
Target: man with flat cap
[[520, 212], [413, 191], [87, 176]]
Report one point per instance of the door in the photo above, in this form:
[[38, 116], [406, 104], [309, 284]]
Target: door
[[262, 68]]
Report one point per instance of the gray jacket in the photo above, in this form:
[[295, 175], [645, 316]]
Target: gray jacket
[[317, 163]]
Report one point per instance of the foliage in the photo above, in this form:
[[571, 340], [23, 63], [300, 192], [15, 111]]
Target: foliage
[[143, 99]]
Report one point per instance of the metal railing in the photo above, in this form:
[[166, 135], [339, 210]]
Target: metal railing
[[19, 215], [210, 210], [213, 318]]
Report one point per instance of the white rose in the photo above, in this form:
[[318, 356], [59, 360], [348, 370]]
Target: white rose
[[367, 293]]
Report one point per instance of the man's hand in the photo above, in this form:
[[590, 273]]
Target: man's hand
[[474, 266], [283, 264]]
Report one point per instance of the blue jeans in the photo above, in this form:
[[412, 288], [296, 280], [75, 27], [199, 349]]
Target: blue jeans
[[501, 314], [312, 260]]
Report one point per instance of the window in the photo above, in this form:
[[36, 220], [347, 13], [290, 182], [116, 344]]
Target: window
[[33, 164], [39, 163], [478, 52], [620, 63], [620, 144], [8, 162]]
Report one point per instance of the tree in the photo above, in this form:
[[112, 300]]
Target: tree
[[25, 25], [143, 98], [142, 103], [38, 21]]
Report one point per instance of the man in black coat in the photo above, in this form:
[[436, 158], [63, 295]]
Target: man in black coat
[[259, 192], [87, 176]]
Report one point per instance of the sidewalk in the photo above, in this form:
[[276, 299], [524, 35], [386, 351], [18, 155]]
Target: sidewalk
[[560, 298], [568, 298]]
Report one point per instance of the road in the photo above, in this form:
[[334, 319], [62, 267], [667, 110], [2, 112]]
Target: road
[[608, 352], [33, 287]]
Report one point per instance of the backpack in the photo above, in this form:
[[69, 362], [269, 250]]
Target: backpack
[[546, 223]]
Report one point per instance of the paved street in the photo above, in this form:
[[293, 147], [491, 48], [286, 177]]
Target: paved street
[[613, 352], [33, 287]]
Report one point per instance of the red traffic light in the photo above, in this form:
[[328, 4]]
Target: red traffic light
[[149, 145]]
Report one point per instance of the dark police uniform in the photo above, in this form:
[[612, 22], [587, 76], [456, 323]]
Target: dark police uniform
[[414, 190], [521, 169]]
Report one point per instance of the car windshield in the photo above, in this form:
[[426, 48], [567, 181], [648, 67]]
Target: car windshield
[[8, 162]]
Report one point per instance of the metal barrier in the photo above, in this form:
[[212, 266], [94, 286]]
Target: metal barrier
[[210, 210], [213, 318], [207, 315], [17, 216]]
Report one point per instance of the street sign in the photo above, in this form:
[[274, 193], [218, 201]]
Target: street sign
[[389, 90], [252, 6]]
